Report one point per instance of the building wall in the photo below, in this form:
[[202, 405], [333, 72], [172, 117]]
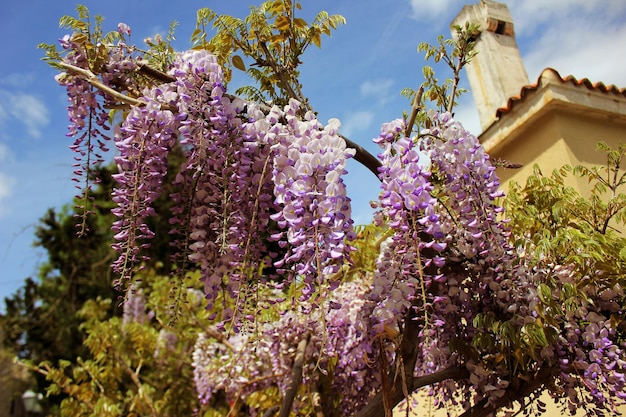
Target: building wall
[[556, 139]]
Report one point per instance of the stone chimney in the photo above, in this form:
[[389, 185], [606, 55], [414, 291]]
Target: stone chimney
[[497, 71]]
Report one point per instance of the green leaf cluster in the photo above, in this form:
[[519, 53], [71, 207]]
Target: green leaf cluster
[[135, 368], [455, 53], [41, 321], [272, 40], [565, 234], [575, 246], [89, 34], [554, 223]]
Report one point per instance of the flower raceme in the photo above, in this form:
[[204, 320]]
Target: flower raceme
[[309, 164], [88, 123], [338, 354]]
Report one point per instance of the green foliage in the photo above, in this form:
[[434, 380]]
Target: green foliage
[[139, 367], [160, 54], [456, 53], [568, 235], [564, 236], [554, 222], [90, 35], [367, 244], [41, 321], [272, 39], [607, 204], [132, 367]]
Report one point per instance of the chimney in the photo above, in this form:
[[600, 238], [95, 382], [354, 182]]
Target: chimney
[[497, 71]]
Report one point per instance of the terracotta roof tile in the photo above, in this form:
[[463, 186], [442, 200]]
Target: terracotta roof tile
[[551, 75]]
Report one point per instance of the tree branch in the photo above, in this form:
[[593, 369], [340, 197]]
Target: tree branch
[[271, 411], [409, 349], [279, 70], [417, 103], [375, 407], [154, 73], [362, 156], [141, 392], [92, 79], [296, 378], [64, 386]]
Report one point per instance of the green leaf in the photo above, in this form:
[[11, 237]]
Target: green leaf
[[300, 23], [238, 63], [545, 294], [317, 39], [282, 23], [277, 7]]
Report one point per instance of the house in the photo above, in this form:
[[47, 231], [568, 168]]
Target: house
[[554, 121]]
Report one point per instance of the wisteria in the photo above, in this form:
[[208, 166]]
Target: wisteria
[[88, 124], [309, 163], [438, 194], [337, 357], [261, 210], [147, 135], [225, 216]]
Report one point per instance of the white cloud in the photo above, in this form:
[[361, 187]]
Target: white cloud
[[26, 109], [592, 54], [532, 14], [578, 37], [31, 111], [586, 42], [356, 122], [3, 112], [6, 190], [379, 89], [4, 152], [6, 182], [17, 79], [433, 9]]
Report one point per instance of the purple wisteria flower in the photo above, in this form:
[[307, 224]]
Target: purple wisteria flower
[[308, 169], [338, 352], [146, 137]]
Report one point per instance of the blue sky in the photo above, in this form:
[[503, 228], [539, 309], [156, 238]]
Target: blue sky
[[356, 77]]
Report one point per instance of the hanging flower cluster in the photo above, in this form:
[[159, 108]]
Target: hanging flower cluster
[[257, 190], [448, 259], [470, 188], [336, 360], [88, 121], [222, 216], [146, 137], [407, 204], [309, 163]]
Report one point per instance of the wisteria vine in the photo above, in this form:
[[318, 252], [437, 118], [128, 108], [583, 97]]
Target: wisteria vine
[[262, 211]]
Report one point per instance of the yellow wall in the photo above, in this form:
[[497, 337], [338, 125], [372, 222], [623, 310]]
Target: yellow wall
[[556, 139]]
